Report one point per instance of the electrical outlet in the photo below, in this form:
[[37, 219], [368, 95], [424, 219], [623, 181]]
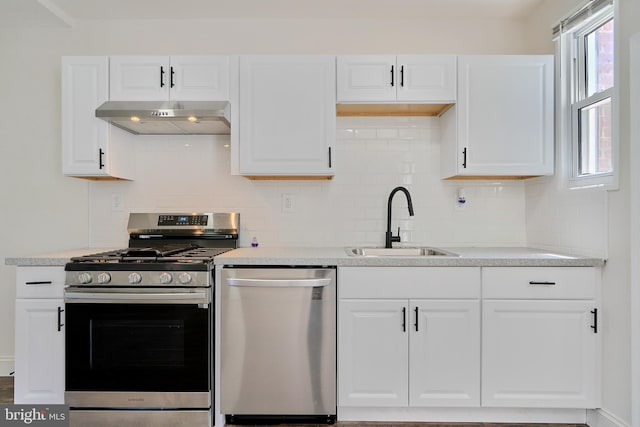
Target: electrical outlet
[[116, 202], [288, 203]]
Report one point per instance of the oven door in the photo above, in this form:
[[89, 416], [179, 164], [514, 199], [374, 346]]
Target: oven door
[[127, 348]]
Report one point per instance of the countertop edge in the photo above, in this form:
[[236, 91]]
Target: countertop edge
[[36, 261], [411, 262], [509, 257], [58, 258]]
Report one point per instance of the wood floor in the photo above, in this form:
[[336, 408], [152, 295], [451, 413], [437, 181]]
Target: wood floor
[[383, 424], [6, 397], [6, 390]]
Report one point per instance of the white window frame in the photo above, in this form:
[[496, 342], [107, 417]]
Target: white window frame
[[568, 48]]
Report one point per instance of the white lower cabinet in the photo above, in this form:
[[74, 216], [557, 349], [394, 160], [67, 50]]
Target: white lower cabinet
[[444, 345], [39, 336], [487, 339], [411, 351], [373, 368], [39, 349], [540, 338]]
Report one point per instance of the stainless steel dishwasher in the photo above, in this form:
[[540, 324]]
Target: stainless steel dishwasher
[[278, 344]]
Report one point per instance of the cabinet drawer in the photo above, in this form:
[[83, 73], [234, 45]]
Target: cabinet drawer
[[540, 282], [409, 282], [40, 282]]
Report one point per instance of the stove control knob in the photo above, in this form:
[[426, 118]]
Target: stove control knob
[[165, 278], [104, 278], [84, 278], [135, 278], [184, 278]]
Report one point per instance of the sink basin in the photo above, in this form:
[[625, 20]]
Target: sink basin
[[400, 252]]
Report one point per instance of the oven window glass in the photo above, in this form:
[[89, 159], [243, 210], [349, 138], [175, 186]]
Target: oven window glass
[[134, 344], [137, 347]]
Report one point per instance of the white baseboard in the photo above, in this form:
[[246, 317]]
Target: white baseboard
[[460, 415], [7, 364], [602, 418]]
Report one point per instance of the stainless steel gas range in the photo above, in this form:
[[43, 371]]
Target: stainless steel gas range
[[139, 323]]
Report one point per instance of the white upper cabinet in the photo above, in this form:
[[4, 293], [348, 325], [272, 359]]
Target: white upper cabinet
[[391, 78], [287, 115], [502, 123], [178, 78], [91, 148]]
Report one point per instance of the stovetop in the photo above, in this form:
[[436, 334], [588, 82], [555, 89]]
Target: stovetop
[[174, 249], [159, 254], [155, 266]]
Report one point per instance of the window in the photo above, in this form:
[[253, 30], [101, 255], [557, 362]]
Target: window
[[587, 56]]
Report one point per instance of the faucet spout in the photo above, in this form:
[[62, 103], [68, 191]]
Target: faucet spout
[[389, 237]]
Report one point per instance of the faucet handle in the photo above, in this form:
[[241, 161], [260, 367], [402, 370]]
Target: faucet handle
[[396, 238]]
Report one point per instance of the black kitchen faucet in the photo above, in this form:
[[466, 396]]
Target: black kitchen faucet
[[389, 237]]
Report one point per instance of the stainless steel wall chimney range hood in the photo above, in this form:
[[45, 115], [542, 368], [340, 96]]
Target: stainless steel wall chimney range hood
[[168, 117]]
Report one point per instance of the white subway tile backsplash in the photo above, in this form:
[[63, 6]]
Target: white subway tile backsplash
[[372, 156]]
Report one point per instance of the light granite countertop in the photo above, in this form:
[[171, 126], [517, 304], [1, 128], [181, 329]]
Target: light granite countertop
[[57, 258], [337, 256], [466, 257]]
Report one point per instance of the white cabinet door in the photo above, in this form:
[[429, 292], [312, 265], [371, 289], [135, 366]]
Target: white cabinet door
[[426, 78], [199, 78], [90, 146], [366, 78], [373, 353], [287, 115], [388, 79], [139, 78], [503, 119], [160, 78], [444, 353], [39, 351], [539, 353]]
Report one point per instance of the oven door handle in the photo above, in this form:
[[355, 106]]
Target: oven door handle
[[92, 297]]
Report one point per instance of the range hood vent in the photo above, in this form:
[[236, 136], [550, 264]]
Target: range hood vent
[[168, 117]]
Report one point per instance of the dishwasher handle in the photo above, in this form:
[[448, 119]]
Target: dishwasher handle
[[279, 283]]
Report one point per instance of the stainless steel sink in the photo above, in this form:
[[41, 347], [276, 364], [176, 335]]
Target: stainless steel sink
[[398, 252]]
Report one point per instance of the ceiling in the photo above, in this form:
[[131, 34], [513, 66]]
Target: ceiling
[[67, 13]]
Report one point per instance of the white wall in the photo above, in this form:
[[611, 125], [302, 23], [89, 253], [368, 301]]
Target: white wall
[[634, 234], [616, 294]]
